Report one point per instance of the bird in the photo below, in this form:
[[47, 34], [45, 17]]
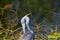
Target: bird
[[27, 35], [25, 23]]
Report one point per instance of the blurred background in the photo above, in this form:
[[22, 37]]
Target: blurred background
[[45, 15]]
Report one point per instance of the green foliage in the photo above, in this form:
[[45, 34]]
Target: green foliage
[[54, 36]]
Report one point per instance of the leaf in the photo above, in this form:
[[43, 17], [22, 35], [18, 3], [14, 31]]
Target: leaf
[[1, 32], [7, 6]]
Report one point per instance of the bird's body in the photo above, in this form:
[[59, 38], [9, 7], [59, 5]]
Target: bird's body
[[29, 34]]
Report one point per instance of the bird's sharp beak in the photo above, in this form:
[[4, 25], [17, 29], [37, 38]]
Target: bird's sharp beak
[[28, 14]]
